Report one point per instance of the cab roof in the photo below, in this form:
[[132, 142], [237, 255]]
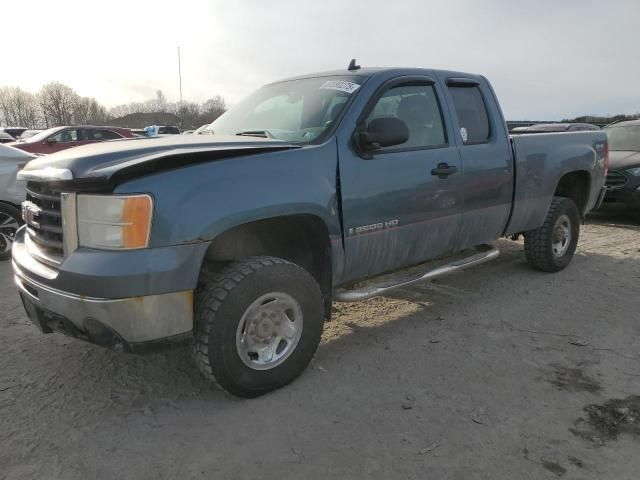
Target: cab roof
[[367, 72]]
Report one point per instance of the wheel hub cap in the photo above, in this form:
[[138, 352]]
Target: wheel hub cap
[[8, 228], [561, 238], [269, 331]]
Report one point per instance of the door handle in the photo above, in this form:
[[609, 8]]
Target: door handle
[[443, 170]]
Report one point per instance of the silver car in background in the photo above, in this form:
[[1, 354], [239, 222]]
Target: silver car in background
[[12, 194]]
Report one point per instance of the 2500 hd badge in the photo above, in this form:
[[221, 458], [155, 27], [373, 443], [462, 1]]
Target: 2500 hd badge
[[373, 226]]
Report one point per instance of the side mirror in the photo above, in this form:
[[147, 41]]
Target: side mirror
[[383, 132], [51, 140]]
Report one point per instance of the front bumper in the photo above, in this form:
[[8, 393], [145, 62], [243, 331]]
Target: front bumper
[[627, 195], [120, 300], [124, 324], [628, 192]]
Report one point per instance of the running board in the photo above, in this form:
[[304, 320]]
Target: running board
[[385, 283]]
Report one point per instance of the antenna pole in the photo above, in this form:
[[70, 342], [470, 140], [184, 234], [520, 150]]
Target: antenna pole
[[180, 80]]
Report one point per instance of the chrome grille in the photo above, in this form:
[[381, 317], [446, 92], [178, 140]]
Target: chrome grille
[[615, 179], [44, 222]]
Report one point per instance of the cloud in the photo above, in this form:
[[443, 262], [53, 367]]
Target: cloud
[[546, 59]]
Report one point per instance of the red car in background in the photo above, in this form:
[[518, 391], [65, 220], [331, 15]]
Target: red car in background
[[61, 138]]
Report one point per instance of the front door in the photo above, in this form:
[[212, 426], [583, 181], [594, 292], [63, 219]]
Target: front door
[[403, 205]]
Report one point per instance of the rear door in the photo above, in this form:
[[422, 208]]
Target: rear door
[[396, 212], [487, 165]]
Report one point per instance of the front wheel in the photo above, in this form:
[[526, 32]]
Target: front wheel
[[550, 248], [257, 324], [10, 220]]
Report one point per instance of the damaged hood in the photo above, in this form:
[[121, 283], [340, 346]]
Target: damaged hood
[[109, 161]]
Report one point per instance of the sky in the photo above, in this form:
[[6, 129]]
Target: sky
[[547, 59]]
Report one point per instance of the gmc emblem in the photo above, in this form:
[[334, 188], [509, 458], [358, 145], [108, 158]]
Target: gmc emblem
[[30, 213]]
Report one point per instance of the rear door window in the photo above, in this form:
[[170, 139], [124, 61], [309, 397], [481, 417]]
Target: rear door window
[[109, 135], [471, 110], [168, 130]]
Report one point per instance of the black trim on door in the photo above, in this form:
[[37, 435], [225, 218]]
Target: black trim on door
[[462, 82]]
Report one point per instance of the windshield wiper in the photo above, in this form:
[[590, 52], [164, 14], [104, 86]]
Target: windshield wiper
[[255, 133]]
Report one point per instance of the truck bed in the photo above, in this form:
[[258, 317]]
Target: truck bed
[[540, 160]]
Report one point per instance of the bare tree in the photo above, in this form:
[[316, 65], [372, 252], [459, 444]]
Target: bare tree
[[18, 107], [159, 104], [190, 115], [89, 112], [213, 108], [58, 103]]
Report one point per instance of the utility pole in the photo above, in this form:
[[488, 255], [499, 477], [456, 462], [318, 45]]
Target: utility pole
[[180, 80]]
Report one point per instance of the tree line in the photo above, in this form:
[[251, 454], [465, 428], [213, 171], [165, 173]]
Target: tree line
[[57, 104], [602, 120]]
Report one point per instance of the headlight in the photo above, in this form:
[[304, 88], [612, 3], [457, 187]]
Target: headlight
[[634, 171], [114, 221]]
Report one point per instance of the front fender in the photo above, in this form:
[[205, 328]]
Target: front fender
[[198, 202]]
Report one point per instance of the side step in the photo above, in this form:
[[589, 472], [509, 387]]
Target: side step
[[385, 283]]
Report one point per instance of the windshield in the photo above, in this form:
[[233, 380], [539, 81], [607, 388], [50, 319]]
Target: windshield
[[295, 111], [624, 138], [39, 137]]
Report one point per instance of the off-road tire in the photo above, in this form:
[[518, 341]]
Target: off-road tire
[[221, 299], [538, 243], [7, 210]]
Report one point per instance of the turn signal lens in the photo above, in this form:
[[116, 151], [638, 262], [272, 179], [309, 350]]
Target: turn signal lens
[[136, 219]]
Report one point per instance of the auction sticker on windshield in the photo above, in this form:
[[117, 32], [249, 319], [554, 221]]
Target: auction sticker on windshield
[[341, 85]]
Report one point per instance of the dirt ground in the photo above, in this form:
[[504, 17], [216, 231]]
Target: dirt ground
[[499, 372]]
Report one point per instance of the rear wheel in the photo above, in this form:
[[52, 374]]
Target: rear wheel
[[550, 248], [258, 324], [10, 220]]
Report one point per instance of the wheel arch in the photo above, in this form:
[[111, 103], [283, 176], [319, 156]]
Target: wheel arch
[[302, 238], [575, 185]]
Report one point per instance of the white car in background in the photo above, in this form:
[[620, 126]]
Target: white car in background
[[12, 194], [204, 130]]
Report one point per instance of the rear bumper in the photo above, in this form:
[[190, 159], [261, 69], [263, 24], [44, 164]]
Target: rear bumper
[[124, 324], [603, 192]]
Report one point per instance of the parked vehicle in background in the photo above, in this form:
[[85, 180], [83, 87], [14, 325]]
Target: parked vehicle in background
[[153, 130], [623, 179], [15, 132], [28, 134], [6, 138], [138, 132], [204, 130], [311, 190], [12, 194], [555, 127], [61, 138]]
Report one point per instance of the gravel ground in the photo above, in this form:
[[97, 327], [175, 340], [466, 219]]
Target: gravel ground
[[499, 372]]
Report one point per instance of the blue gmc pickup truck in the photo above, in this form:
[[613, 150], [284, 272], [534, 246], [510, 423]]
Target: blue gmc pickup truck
[[329, 187]]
